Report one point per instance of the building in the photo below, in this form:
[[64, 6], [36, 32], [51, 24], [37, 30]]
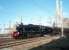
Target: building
[[66, 22]]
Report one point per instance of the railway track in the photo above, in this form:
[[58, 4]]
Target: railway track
[[19, 42]]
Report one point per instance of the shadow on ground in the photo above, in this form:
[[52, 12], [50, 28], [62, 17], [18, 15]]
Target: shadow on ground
[[59, 44]]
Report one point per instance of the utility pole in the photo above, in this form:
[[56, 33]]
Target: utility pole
[[21, 19], [62, 22], [9, 26], [0, 28], [57, 12], [59, 16], [3, 28], [40, 24]]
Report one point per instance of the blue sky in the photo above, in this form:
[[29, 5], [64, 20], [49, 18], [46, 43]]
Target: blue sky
[[32, 11]]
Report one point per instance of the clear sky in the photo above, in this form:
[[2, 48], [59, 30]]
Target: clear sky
[[32, 11]]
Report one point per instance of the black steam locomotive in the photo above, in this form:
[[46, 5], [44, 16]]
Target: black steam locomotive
[[29, 31]]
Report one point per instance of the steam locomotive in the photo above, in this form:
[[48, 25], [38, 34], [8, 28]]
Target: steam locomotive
[[29, 31]]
